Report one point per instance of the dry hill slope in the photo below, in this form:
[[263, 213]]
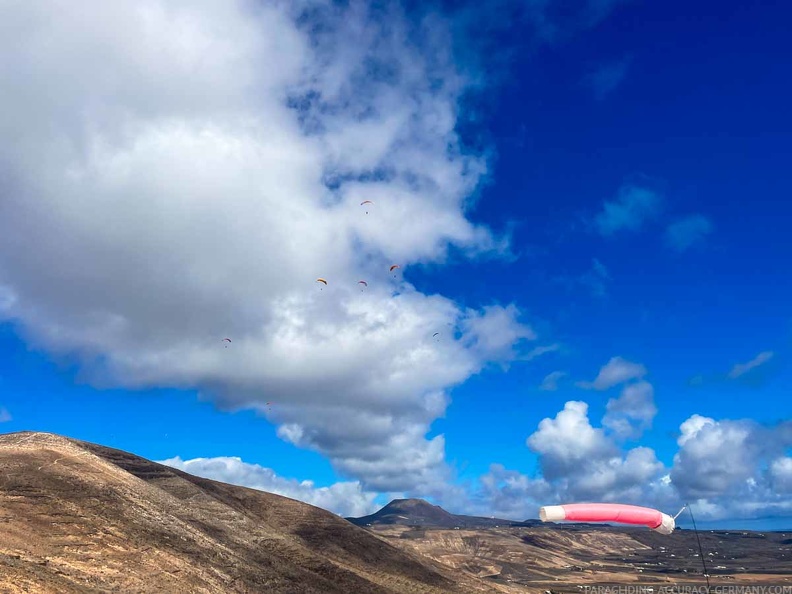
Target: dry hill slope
[[79, 517]]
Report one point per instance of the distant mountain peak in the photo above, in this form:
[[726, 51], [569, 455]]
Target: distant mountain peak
[[421, 513], [412, 504], [411, 501]]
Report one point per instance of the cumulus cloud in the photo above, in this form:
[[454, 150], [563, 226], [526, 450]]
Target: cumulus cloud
[[581, 462], [550, 382], [721, 464], [568, 441], [509, 494], [725, 469], [741, 369], [781, 474], [634, 206], [733, 468], [629, 415], [713, 456], [616, 371], [5, 416], [189, 169], [346, 499], [688, 231], [606, 77], [494, 334]]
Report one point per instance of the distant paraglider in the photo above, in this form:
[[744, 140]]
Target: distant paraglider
[[394, 267], [609, 512], [321, 280], [364, 283], [226, 339], [366, 202]]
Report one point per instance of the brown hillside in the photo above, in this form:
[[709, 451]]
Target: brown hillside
[[79, 517]]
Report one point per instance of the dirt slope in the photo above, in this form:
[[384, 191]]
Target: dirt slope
[[79, 517], [560, 559]]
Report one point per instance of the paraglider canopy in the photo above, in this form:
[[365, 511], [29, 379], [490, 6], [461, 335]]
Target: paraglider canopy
[[394, 267], [609, 512], [321, 280], [363, 283]]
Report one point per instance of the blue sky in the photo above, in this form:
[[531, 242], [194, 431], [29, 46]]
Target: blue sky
[[631, 153]]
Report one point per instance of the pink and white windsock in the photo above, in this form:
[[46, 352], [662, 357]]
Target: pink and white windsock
[[609, 512]]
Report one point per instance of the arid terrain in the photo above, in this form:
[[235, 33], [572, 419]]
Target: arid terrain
[[560, 557], [79, 517]]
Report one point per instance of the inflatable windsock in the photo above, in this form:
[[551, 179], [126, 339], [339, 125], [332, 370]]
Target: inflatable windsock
[[609, 512]]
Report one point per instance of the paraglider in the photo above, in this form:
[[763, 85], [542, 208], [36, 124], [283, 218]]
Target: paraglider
[[321, 280], [394, 267], [362, 282], [609, 512], [228, 339], [366, 202]]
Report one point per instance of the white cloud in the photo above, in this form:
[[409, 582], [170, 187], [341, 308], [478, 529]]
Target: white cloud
[[743, 368], [584, 464], [616, 371], [568, 441], [725, 469], [713, 456], [722, 462], [509, 494], [550, 382], [189, 169], [781, 474], [634, 206], [629, 415], [5, 416], [494, 334], [345, 499], [754, 481], [688, 231], [538, 352]]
